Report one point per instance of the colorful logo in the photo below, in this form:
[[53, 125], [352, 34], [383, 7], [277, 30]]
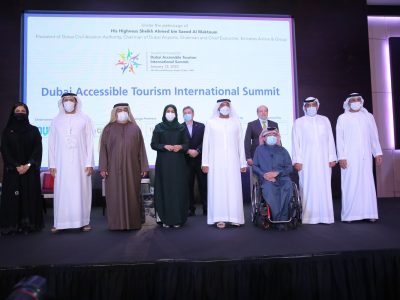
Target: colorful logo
[[128, 62]]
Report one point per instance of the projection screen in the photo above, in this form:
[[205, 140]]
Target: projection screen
[[150, 61]]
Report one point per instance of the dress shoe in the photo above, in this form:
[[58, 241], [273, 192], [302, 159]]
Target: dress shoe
[[281, 227], [86, 228], [221, 225]]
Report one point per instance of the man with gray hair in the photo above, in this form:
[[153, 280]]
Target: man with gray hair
[[253, 131], [195, 132]]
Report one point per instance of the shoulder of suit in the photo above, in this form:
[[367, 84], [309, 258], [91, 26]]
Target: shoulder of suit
[[198, 123], [254, 121]]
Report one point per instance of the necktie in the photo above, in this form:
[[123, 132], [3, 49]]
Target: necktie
[[264, 124]]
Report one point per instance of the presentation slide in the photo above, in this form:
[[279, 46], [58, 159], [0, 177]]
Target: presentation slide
[[150, 61]]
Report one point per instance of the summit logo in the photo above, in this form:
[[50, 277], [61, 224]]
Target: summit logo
[[128, 62]]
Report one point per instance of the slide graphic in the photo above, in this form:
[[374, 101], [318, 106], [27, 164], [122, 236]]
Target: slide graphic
[[128, 61], [150, 61]]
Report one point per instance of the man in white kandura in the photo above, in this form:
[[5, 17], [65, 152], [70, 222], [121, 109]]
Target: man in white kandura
[[71, 163], [223, 159], [357, 141], [313, 156]]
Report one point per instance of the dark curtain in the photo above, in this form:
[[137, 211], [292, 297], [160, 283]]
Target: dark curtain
[[353, 275]]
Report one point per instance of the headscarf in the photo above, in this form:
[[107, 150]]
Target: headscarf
[[113, 117], [78, 105], [232, 113], [346, 105], [269, 131], [18, 125], [174, 124], [309, 100]]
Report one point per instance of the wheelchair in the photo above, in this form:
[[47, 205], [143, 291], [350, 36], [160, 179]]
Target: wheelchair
[[261, 211]]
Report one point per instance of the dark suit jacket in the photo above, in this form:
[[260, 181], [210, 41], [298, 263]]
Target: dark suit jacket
[[196, 140], [253, 131]]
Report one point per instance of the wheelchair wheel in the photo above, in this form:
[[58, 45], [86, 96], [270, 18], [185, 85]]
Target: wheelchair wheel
[[254, 202], [295, 209]]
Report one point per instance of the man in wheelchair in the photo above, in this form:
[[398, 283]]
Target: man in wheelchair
[[272, 164]]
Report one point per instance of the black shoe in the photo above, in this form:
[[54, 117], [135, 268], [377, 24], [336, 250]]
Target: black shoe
[[281, 227], [191, 213], [204, 211]]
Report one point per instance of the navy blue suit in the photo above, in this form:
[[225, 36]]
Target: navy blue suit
[[253, 132], [194, 166]]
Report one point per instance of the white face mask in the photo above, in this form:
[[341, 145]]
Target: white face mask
[[69, 106], [355, 105], [271, 140], [122, 116], [170, 116], [311, 111], [187, 117], [225, 110]]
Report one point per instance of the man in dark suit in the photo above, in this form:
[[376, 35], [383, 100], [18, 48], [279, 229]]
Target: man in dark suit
[[253, 131], [195, 133]]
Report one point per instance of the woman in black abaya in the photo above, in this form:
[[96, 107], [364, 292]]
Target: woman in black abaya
[[171, 185], [21, 147]]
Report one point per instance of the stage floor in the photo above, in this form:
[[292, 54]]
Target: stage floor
[[197, 241]]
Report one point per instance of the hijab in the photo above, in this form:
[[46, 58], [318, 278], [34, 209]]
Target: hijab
[[15, 122], [174, 124]]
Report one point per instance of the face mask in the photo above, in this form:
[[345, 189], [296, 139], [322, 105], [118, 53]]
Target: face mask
[[187, 117], [122, 116], [311, 111], [170, 116], [20, 116], [271, 140], [355, 105], [225, 110], [69, 106]]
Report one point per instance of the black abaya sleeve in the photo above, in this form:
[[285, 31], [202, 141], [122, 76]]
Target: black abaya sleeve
[[35, 158], [155, 141], [8, 158], [185, 141]]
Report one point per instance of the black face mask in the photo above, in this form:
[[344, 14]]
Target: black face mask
[[20, 116]]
